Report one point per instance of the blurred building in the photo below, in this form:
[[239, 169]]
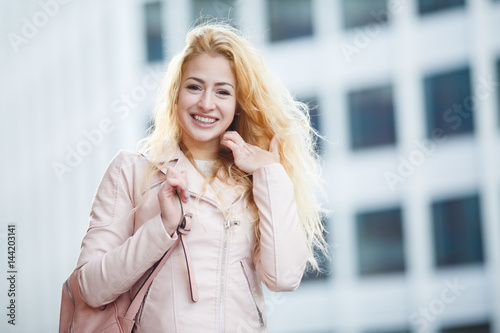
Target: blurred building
[[405, 92]]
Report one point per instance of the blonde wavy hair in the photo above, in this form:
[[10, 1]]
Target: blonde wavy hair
[[265, 108]]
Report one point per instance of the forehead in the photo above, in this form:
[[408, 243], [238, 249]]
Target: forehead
[[213, 68]]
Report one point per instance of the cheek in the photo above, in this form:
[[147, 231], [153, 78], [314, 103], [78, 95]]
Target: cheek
[[187, 100], [230, 110]]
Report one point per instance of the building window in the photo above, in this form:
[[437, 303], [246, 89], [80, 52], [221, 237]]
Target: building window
[[482, 328], [380, 242], [221, 9], [323, 262], [289, 19], [371, 115], [154, 31], [363, 12], [429, 6], [498, 87], [457, 231], [392, 331], [314, 114], [449, 102]]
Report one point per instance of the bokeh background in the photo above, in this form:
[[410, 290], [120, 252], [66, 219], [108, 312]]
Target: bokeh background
[[405, 92]]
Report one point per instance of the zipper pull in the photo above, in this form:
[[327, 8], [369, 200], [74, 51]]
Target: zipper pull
[[228, 223]]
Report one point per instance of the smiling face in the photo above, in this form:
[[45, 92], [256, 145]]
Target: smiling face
[[206, 103]]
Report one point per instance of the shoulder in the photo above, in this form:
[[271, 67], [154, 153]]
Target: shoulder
[[126, 163], [127, 156], [126, 159]]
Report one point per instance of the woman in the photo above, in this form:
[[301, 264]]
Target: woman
[[230, 141]]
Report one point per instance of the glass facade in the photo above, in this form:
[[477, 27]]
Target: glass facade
[[498, 87], [289, 19], [380, 242], [362, 12], [457, 231], [220, 9], [449, 102], [429, 6], [371, 115], [391, 331], [480, 328], [154, 31], [315, 116], [323, 262]]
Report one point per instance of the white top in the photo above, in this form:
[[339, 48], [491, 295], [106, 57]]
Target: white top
[[205, 166]]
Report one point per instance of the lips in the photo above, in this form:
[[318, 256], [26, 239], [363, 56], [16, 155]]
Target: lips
[[204, 120]]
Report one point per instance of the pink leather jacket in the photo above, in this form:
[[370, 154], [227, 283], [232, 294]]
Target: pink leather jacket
[[120, 247]]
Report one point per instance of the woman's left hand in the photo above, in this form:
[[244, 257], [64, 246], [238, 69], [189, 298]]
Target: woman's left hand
[[247, 157]]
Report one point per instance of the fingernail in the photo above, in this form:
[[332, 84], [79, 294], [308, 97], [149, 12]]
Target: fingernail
[[223, 141]]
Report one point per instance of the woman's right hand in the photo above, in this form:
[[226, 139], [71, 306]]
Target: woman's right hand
[[175, 184]]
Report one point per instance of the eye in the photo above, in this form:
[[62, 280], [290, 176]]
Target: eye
[[194, 87], [224, 92]]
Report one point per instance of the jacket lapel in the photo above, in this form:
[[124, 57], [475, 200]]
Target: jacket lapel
[[226, 195]]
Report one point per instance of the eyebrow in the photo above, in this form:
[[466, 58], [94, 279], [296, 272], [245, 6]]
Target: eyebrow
[[202, 81]]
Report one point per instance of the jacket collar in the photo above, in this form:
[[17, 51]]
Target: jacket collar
[[217, 193]]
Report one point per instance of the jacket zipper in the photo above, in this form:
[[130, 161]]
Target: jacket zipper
[[261, 319], [227, 224]]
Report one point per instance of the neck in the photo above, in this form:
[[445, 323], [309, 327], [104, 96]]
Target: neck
[[201, 154], [202, 151]]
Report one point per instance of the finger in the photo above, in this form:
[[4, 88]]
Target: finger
[[232, 136], [172, 185], [176, 181], [185, 182], [229, 144]]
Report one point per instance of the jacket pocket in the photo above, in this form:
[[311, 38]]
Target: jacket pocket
[[259, 313]]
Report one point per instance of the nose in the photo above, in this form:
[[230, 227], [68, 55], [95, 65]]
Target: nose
[[207, 102]]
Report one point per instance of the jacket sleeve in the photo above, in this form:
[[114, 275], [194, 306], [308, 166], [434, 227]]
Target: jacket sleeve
[[281, 261], [112, 257]]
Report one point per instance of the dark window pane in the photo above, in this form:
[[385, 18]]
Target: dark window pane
[[324, 263], [290, 19], [380, 242], [371, 117], [314, 113], [428, 6], [154, 41], [362, 12], [483, 328], [391, 331], [498, 87], [457, 231], [222, 9], [449, 102]]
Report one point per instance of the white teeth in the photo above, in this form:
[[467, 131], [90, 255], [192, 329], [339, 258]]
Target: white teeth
[[204, 120]]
